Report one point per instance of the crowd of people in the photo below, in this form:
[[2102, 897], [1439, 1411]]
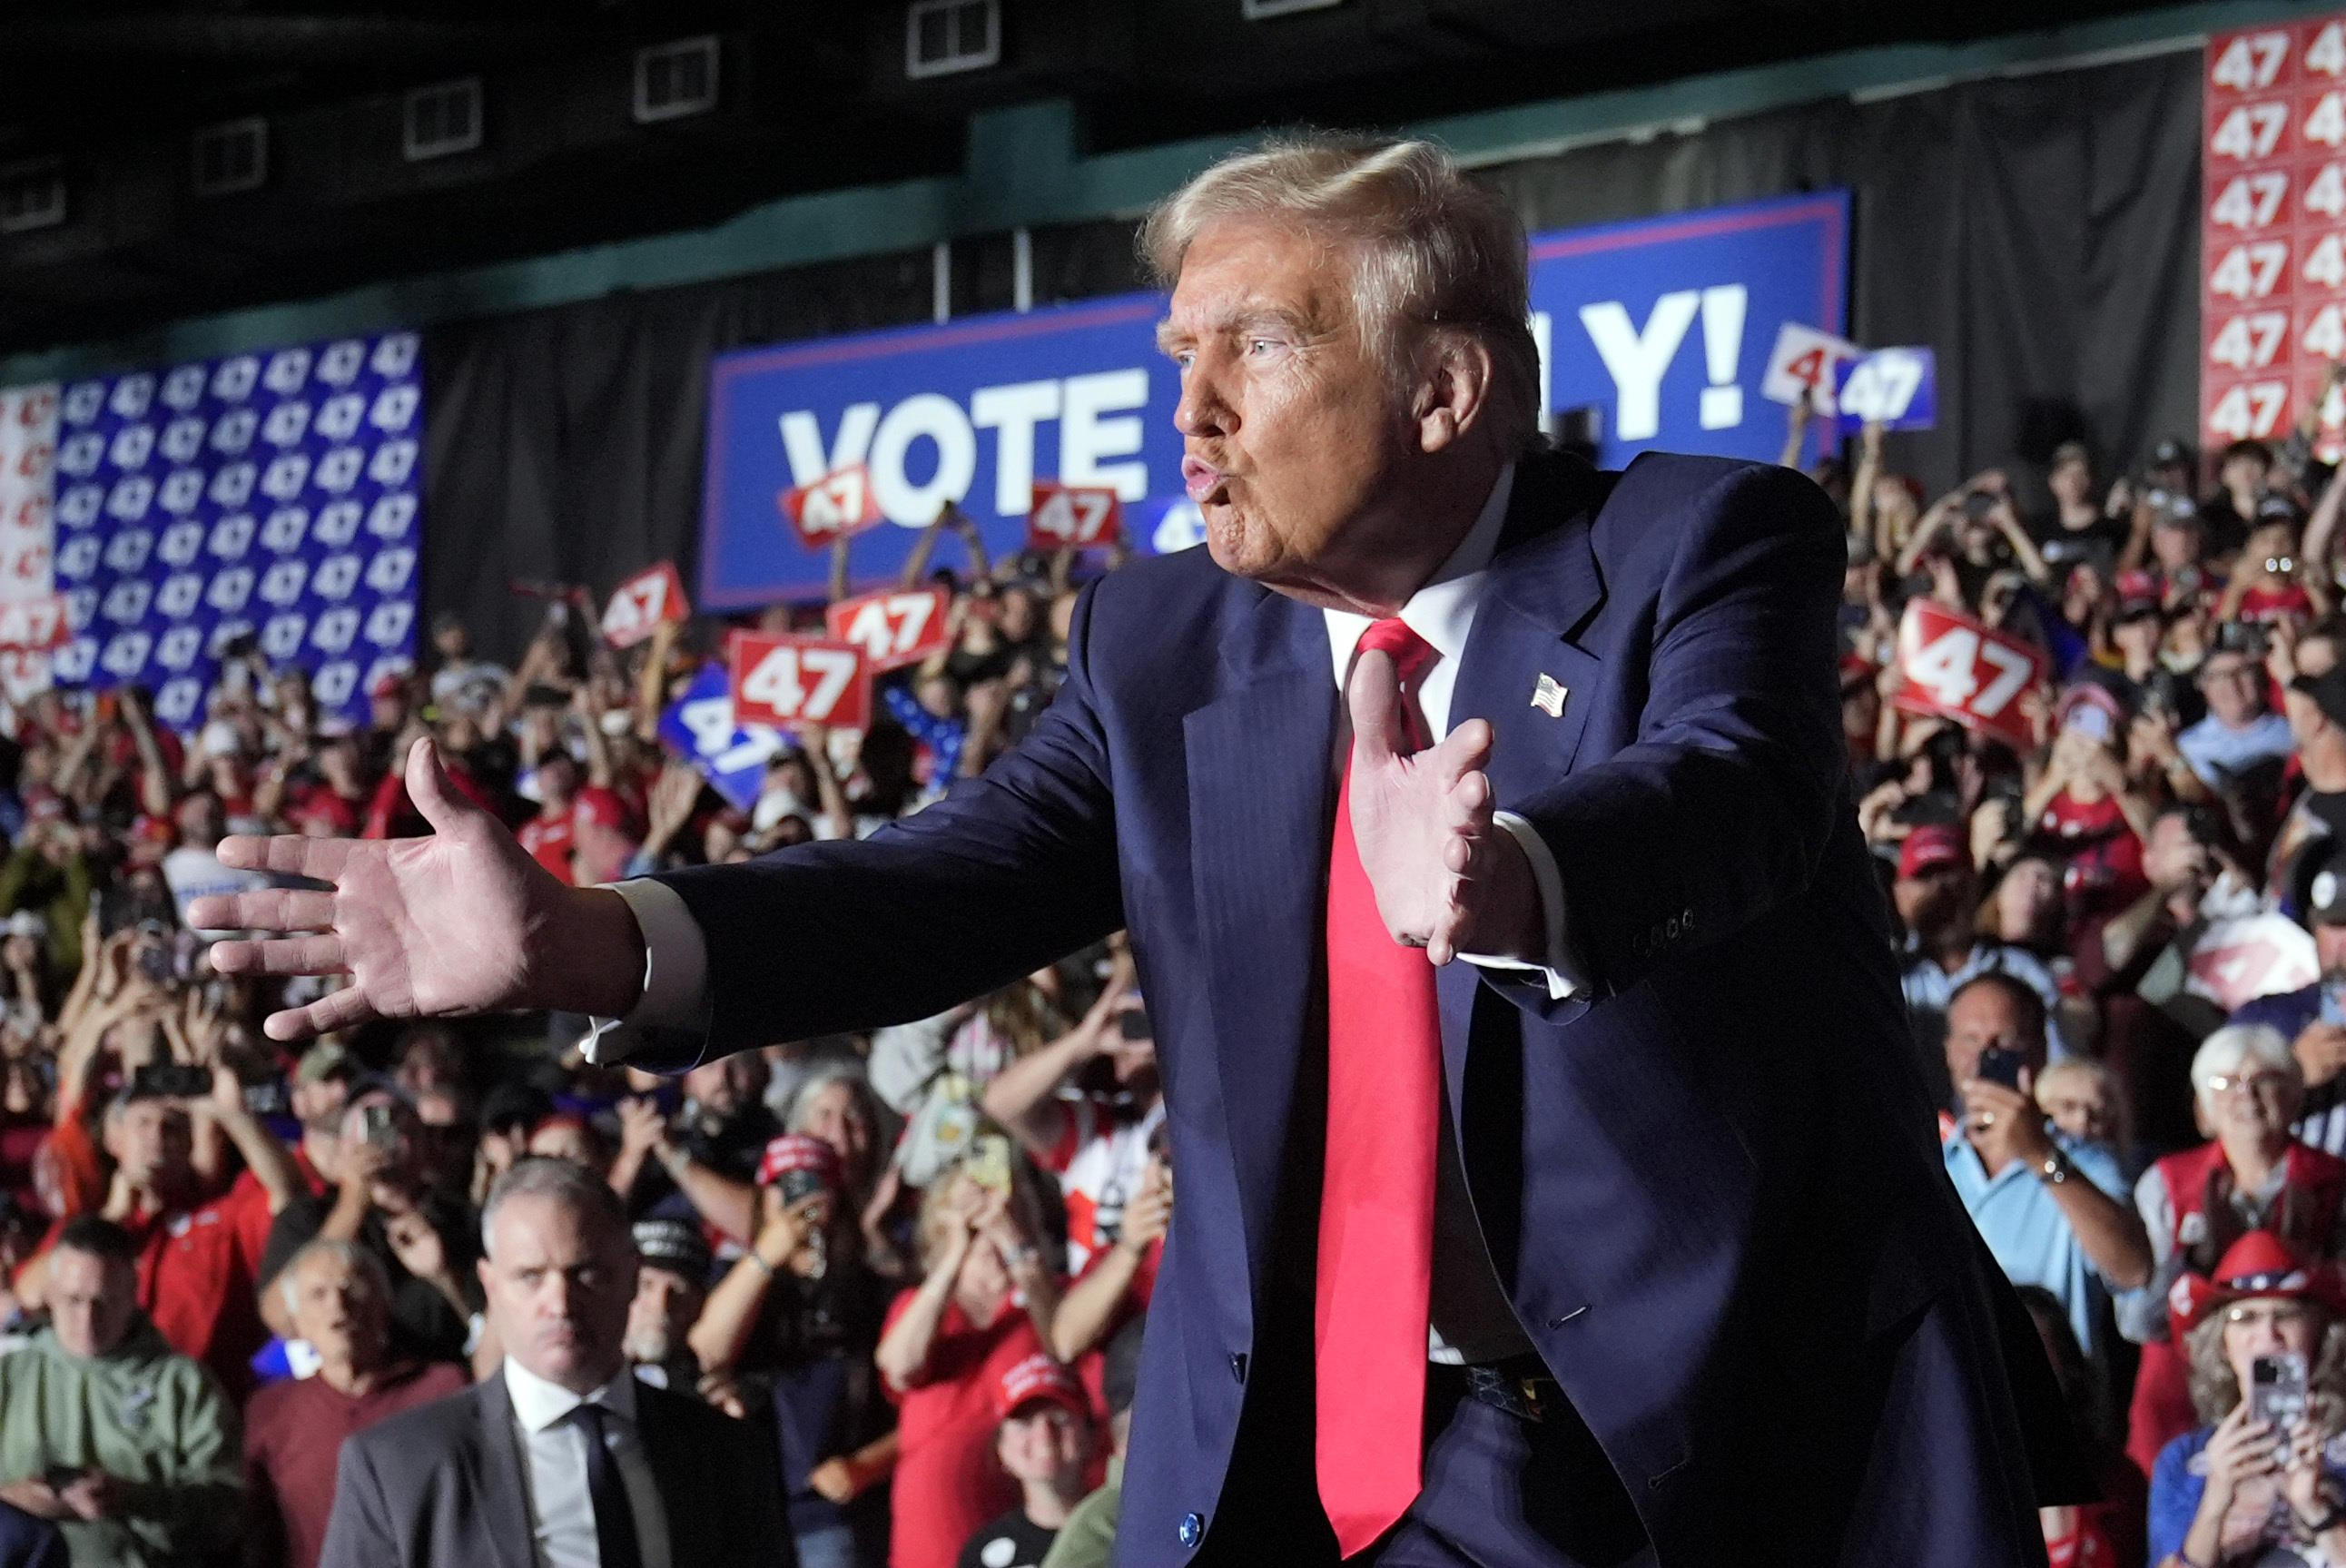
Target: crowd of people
[[2124, 950], [909, 1271]]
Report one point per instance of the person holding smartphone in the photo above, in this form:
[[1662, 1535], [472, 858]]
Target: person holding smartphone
[[2051, 1208], [2256, 1485], [2254, 1174]]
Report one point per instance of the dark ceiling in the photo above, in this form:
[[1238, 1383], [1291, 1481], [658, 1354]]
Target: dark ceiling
[[813, 97]]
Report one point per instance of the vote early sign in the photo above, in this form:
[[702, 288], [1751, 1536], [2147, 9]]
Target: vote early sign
[[1657, 332]]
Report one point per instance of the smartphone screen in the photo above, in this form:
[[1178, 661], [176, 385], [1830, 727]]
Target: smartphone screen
[[2276, 1389], [2000, 1064]]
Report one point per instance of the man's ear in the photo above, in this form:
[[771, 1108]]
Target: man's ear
[[1455, 385]]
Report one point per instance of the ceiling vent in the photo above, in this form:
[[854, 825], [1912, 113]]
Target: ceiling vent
[[942, 37], [442, 119], [31, 196], [673, 80], [231, 158]]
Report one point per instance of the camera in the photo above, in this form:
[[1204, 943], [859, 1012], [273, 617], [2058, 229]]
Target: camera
[[171, 1081]]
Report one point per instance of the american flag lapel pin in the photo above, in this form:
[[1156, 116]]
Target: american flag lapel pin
[[1549, 697]]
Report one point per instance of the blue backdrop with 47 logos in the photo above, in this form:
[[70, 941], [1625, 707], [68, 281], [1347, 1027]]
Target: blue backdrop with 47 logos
[[267, 496]]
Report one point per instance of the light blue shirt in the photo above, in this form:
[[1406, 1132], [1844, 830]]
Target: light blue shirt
[[2216, 750], [2023, 1225]]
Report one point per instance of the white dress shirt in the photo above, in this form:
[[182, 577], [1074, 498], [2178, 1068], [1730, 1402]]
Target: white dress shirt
[[676, 954], [561, 1508], [1471, 1317]]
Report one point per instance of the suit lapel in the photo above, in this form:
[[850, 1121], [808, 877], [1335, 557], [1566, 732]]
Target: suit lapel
[[1544, 587], [1260, 760], [672, 1475], [501, 1475]]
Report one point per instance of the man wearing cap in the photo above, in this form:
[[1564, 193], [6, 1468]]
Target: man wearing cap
[[796, 1320], [2077, 532], [1937, 895], [1045, 1443], [1088, 1540], [671, 1287], [2240, 732], [2312, 1018]]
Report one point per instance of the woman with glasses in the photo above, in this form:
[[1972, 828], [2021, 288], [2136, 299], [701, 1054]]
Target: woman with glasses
[[2253, 1174], [2262, 1483]]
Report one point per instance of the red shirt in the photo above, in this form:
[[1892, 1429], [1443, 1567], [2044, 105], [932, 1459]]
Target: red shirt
[[293, 1434], [948, 1482], [547, 836], [2103, 868], [247, 1207]]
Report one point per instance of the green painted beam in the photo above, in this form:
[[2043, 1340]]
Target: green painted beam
[[1023, 169]]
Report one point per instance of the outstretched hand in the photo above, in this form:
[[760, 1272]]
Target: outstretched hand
[[1447, 877], [460, 923]]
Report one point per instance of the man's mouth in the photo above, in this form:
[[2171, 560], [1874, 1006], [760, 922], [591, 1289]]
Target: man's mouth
[[1201, 479]]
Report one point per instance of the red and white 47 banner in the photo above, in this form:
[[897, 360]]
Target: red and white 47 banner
[[642, 603], [1072, 514], [790, 680], [837, 506], [34, 624], [894, 627], [1955, 667]]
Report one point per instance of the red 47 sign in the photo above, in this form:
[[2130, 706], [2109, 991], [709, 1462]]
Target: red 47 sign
[[893, 627], [642, 603], [1072, 514], [34, 624], [837, 506], [790, 680], [1957, 668]]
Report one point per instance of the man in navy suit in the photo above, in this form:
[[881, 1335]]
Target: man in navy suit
[[1481, 825]]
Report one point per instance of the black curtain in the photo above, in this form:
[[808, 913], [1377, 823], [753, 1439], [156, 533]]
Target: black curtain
[[2040, 232]]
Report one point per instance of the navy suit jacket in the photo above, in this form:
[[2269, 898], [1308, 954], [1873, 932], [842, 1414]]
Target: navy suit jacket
[[1711, 1186]]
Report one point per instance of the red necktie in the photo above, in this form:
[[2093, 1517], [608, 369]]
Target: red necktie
[[1376, 1201]]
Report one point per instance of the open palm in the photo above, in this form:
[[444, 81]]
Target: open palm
[[1447, 879], [461, 921]]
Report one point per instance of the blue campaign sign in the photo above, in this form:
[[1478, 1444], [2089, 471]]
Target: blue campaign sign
[[1663, 326], [1660, 328], [1897, 389], [262, 498], [731, 757]]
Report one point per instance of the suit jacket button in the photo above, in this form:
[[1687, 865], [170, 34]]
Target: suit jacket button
[[1193, 1529]]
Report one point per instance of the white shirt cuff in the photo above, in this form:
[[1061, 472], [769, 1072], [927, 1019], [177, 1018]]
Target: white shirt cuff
[[676, 971], [1561, 973]]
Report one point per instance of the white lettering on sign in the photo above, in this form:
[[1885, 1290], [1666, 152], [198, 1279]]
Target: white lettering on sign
[[1637, 359], [1101, 435], [1014, 412], [940, 420], [779, 682]]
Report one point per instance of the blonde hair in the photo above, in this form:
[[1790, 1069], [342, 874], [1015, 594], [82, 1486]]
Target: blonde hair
[[2113, 1095], [1436, 255], [2224, 1052], [2215, 1391]]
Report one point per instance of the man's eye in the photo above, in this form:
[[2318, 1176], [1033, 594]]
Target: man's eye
[[1258, 346]]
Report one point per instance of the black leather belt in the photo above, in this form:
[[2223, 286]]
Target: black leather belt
[[1521, 1386]]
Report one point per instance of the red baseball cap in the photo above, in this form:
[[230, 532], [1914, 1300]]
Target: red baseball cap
[[1038, 1377], [798, 1152], [2260, 1264], [1930, 847]]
